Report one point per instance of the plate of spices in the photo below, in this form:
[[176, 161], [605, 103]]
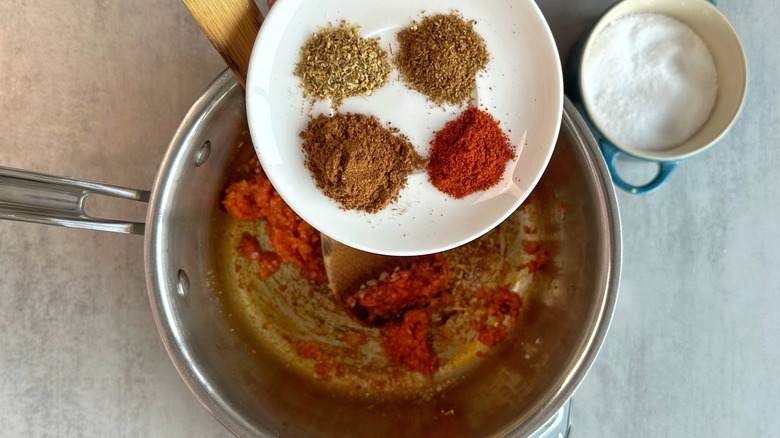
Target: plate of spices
[[407, 128]]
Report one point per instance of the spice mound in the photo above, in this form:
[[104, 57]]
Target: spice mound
[[469, 154], [440, 57], [356, 161], [336, 63]]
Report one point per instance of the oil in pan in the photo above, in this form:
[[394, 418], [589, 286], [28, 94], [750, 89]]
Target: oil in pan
[[309, 331]]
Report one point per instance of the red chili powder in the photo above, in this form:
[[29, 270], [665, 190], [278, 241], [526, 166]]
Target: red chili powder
[[501, 309], [294, 240], [406, 343], [469, 154]]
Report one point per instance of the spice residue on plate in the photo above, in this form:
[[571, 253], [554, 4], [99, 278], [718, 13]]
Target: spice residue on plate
[[336, 63], [356, 161], [650, 81], [469, 154], [440, 56]]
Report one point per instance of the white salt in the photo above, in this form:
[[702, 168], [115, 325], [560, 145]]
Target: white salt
[[650, 82]]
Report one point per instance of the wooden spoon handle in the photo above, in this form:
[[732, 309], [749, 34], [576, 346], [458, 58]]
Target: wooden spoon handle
[[232, 28]]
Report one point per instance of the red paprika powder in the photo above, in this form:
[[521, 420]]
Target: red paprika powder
[[469, 154]]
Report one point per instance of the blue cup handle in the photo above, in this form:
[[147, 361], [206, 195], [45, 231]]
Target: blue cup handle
[[665, 169]]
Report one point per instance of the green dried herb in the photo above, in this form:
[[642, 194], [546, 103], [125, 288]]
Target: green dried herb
[[440, 57], [337, 63]]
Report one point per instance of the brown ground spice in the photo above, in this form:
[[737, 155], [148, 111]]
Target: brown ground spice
[[356, 161], [440, 57]]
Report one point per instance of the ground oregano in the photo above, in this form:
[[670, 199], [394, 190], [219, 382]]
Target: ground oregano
[[336, 63]]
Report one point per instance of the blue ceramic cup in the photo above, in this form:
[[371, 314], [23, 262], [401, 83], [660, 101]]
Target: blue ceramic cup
[[730, 65]]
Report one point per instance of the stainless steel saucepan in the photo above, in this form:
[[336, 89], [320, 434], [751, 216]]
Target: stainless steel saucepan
[[257, 391]]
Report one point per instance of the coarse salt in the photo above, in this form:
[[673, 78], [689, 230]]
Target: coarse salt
[[649, 81]]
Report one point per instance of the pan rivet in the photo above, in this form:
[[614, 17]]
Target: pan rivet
[[202, 154], [183, 285]]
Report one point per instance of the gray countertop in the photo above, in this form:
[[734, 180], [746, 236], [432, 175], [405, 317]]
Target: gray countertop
[[95, 90]]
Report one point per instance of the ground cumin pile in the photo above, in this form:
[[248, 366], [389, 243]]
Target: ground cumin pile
[[440, 57], [356, 161]]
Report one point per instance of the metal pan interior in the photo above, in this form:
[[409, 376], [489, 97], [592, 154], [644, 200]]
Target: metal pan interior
[[233, 337]]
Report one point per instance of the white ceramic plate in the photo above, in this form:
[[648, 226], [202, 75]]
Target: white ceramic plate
[[522, 87]]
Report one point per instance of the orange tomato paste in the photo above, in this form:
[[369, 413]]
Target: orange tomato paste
[[269, 261], [311, 350], [295, 241], [406, 343], [501, 309], [415, 287]]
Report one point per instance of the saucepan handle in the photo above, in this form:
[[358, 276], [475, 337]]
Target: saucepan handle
[[51, 200], [611, 152]]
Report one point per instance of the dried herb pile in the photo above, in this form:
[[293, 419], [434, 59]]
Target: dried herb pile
[[357, 161], [336, 63], [440, 57]]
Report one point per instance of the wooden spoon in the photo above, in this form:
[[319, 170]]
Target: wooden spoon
[[232, 27], [348, 268]]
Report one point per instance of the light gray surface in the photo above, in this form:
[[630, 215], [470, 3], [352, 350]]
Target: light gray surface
[[95, 90]]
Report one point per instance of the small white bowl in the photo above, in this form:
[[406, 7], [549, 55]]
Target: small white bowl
[[522, 87], [731, 67]]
